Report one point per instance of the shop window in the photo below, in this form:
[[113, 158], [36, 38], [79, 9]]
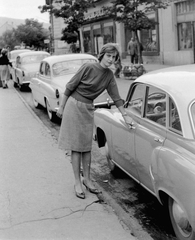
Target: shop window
[[185, 7], [87, 41], [185, 35], [149, 39], [108, 34], [98, 40]]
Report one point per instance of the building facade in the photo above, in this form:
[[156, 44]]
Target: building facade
[[171, 41]]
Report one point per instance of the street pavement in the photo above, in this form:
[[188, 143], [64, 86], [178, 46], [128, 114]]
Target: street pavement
[[37, 199]]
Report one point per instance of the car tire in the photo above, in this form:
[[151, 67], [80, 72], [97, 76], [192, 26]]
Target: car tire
[[50, 113], [19, 85], [35, 103], [181, 233], [15, 85], [112, 166]]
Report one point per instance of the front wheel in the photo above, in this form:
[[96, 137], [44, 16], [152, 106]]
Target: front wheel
[[50, 113], [180, 222]]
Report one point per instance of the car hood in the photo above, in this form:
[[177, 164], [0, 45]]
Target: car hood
[[61, 81], [31, 67]]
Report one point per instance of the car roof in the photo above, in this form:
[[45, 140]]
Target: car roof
[[20, 50], [65, 57], [23, 54], [178, 82]]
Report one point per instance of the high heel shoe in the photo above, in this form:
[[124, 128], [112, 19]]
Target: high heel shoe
[[79, 194], [91, 190]]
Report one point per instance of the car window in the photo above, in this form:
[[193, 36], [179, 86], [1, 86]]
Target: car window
[[47, 70], [42, 68], [174, 119], [155, 107], [33, 58], [136, 101], [66, 67]]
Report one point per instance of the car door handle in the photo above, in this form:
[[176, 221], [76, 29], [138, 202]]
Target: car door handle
[[160, 140], [131, 126]]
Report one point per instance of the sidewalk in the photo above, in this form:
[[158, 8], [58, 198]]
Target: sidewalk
[[37, 199]]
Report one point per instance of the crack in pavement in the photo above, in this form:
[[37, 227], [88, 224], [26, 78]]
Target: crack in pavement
[[55, 218]]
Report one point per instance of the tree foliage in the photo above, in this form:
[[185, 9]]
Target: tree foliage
[[8, 38], [72, 11], [32, 33]]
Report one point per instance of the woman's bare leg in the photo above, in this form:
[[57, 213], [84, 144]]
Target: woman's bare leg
[[86, 162], [76, 165]]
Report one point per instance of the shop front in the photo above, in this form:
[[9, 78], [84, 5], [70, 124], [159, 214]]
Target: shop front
[[96, 34]]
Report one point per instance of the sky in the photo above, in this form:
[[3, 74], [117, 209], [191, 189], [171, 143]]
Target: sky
[[22, 9]]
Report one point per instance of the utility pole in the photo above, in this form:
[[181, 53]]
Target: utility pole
[[49, 3]]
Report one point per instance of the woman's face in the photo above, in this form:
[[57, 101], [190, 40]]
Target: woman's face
[[108, 59]]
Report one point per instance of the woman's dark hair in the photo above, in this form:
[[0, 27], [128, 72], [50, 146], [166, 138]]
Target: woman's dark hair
[[108, 48]]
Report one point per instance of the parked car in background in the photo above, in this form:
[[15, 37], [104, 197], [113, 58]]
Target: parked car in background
[[54, 73], [27, 65], [13, 55], [158, 149]]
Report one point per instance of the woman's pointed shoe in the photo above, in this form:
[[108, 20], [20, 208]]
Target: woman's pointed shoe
[[91, 190], [79, 194]]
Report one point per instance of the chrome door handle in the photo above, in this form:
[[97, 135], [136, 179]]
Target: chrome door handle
[[160, 140], [131, 126]]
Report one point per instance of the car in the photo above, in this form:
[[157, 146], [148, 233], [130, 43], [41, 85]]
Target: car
[[27, 65], [158, 149], [13, 55], [55, 71]]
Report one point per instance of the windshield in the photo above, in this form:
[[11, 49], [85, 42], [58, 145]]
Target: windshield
[[33, 58], [69, 66], [14, 54]]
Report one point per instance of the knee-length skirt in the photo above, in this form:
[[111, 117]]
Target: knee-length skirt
[[76, 131]]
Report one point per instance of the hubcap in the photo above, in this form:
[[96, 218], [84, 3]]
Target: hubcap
[[181, 220]]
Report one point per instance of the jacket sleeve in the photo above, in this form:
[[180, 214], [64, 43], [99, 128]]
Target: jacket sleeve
[[114, 93]]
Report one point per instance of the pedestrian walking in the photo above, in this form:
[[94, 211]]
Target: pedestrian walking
[[4, 69], [77, 112], [132, 50]]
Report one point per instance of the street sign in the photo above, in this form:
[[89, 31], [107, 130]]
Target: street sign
[[46, 41]]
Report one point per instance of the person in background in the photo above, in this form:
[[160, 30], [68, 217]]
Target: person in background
[[133, 51], [4, 69], [77, 112]]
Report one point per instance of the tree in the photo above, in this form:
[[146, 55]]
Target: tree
[[72, 11], [32, 33], [133, 13], [9, 38]]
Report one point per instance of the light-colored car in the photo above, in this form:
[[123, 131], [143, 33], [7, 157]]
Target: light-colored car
[[158, 149], [13, 55], [27, 65], [54, 73]]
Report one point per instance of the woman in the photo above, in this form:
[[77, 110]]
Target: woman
[[78, 111], [4, 69]]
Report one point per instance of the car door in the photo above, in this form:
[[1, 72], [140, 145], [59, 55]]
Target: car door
[[150, 133], [124, 138], [37, 81], [45, 81]]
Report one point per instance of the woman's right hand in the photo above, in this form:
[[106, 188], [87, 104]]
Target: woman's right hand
[[59, 113]]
